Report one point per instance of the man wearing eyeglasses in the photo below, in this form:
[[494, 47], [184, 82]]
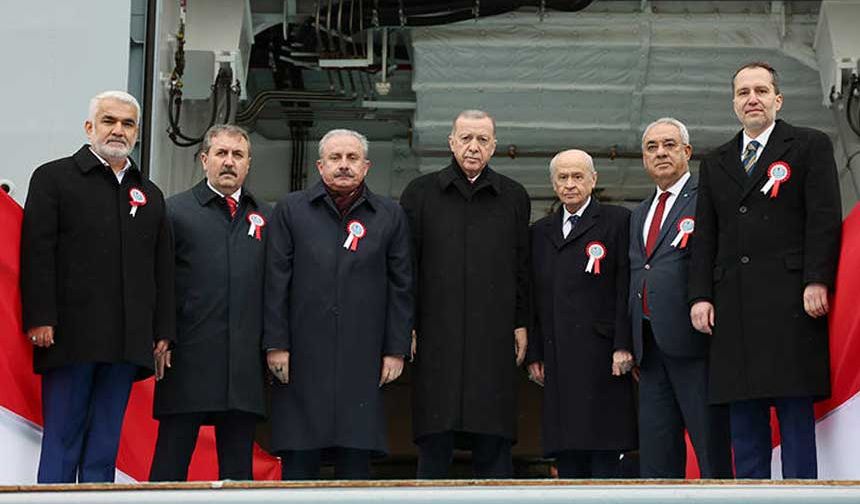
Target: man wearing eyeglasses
[[470, 234]]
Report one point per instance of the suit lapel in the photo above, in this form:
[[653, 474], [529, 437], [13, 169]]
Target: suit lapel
[[586, 222], [681, 204], [730, 161], [553, 230], [777, 144]]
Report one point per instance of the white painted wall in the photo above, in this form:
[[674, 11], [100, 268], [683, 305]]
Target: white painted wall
[[57, 54]]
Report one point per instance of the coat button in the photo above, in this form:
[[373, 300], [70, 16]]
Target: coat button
[[745, 260], [742, 209], [335, 310], [639, 295], [647, 266]]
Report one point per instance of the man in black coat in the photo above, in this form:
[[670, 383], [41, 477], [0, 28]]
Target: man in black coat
[[768, 229], [338, 311], [96, 288], [672, 356], [579, 343], [214, 373], [469, 228]]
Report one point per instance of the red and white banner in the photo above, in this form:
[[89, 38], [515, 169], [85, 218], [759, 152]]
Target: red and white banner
[[838, 418], [20, 392], [20, 402]]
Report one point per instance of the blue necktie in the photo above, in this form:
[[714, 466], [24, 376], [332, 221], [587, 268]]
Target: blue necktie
[[572, 220], [749, 156]]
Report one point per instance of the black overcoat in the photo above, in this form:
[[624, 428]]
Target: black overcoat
[[580, 319], [217, 361], [102, 277], [471, 253], [338, 312], [753, 257]]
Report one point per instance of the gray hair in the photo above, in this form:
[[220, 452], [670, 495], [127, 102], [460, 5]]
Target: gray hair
[[554, 161], [348, 132], [472, 114], [224, 129], [685, 135], [121, 96]]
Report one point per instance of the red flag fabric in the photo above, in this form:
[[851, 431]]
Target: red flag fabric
[[21, 391]]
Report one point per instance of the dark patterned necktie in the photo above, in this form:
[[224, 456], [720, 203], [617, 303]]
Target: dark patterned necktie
[[750, 156]]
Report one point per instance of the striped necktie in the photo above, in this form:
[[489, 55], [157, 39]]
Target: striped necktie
[[750, 156], [232, 205]]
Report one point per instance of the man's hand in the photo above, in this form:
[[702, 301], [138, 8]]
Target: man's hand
[[622, 362], [536, 372], [162, 355], [392, 366], [521, 341], [702, 316], [41, 336], [414, 349], [279, 364], [815, 300]]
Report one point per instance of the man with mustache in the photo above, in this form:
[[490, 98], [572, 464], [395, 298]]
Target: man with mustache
[[338, 311], [580, 345], [214, 373], [470, 238], [96, 290], [763, 263], [672, 356]]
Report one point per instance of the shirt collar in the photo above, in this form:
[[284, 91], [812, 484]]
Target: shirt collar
[[761, 139], [236, 195], [104, 161], [675, 189], [578, 213]]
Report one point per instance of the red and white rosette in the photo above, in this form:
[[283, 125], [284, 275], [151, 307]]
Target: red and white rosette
[[356, 232], [256, 223], [595, 251], [778, 173], [685, 229], [136, 198]]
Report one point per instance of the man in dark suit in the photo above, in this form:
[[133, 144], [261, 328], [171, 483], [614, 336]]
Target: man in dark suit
[[764, 258], [672, 356], [469, 228], [338, 312], [579, 344], [96, 289], [215, 370]]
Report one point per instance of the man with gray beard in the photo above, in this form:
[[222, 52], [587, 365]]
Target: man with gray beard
[[96, 290]]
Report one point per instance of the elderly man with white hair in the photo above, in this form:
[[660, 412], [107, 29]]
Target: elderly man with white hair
[[671, 354], [96, 290], [579, 341]]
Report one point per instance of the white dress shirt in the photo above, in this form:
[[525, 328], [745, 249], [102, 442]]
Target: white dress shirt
[[566, 225], [761, 139], [235, 195], [120, 174], [673, 191]]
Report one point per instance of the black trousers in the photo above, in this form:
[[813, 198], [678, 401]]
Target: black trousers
[[177, 437], [491, 456], [673, 396], [349, 464], [580, 464]]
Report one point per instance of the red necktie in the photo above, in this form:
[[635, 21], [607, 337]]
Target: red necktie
[[233, 205], [651, 242]]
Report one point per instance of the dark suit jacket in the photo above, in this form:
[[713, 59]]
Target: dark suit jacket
[[753, 256], [337, 311], [102, 278], [217, 360], [580, 319], [664, 274]]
